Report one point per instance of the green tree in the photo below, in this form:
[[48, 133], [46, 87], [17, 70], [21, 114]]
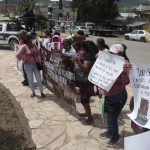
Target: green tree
[[41, 21], [95, 10], [27, 4]]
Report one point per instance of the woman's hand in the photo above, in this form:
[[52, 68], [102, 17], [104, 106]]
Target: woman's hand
[[127, 67]]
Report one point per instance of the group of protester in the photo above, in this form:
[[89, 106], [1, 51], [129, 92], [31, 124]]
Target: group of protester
[[85, 53]]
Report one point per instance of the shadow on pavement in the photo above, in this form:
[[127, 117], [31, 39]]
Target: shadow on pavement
[[5, 47], [74, 112]]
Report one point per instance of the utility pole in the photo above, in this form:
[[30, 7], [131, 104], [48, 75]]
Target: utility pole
[[19, 8], [60, 4], [60, 7], [6, 5]]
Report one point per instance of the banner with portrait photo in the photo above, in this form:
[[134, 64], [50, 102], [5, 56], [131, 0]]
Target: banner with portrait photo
[[106, 70], [140, 82], [59, 76]]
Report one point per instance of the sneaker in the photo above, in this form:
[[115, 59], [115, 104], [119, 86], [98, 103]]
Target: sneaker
[[112, 143], [105, 135], [25, 84], [42, 95], [23, 81], [32, 95]]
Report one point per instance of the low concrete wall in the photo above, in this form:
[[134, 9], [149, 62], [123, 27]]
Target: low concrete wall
[[14, 128]]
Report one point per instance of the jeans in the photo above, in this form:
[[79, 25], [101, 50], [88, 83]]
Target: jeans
[[31, 69], [25, 75], [118, 100]]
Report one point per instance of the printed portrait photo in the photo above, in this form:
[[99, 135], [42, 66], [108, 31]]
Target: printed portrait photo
[[142, 112]]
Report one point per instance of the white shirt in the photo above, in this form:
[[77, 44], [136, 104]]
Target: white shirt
[[71, 51], [45, 42]]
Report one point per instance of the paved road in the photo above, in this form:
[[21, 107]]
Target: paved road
[[138, 52]]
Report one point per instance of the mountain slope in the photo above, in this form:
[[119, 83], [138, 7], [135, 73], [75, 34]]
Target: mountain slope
[[132, 2]]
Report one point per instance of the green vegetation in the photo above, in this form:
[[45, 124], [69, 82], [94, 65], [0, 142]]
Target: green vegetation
[[95, 10]]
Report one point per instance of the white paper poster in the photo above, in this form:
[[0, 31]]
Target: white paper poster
[[19, 63], [137, 142], [106, 70], [140, 82]]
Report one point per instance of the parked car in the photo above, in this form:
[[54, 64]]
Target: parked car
[[89, 25], [57, 28], [9, 32], [74, 30], [139, 35]]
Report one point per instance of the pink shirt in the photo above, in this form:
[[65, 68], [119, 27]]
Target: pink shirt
[[29, 56]]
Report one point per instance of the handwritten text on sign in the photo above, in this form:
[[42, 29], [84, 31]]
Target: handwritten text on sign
[[140, 82], [106, 70]]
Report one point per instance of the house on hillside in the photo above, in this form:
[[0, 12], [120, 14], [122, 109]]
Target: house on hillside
[[120, 23], [144, 11]]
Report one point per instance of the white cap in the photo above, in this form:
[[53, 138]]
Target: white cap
[[116, 48]]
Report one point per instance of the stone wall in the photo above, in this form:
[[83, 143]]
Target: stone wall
[[14, 128]]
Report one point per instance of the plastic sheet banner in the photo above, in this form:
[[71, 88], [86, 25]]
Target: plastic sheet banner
[[140, 82], [59, 75]]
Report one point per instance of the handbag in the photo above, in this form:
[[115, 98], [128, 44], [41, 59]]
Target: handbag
[[102, 108], [38, 65]]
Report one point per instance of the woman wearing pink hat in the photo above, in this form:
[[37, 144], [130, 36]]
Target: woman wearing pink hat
[[116, 98]]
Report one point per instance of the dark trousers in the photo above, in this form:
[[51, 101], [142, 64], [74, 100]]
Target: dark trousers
[[25, 75], [115, 104]]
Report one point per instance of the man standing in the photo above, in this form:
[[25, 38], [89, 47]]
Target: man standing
[[25, 18]]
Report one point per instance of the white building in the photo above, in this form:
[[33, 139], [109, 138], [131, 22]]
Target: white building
[[128, 15]]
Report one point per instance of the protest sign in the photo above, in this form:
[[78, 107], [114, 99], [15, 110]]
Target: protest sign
[[19, 63], [106, 70], [138, 142], [140, 82], [59, 76]]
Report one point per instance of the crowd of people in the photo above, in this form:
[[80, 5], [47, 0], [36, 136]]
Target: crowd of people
[[85, 53]]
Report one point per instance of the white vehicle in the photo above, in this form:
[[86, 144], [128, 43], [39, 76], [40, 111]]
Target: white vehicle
[[90, 25], [74, 30], [139, 35], [9, 32], [57, 28]]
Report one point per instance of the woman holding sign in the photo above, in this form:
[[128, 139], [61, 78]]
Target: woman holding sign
[[85, 64], [116, 98]]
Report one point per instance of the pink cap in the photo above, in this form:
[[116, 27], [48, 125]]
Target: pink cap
[[116, 48]]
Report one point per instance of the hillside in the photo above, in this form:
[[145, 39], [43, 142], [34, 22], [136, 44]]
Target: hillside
[[126, 5], [132, 2]]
